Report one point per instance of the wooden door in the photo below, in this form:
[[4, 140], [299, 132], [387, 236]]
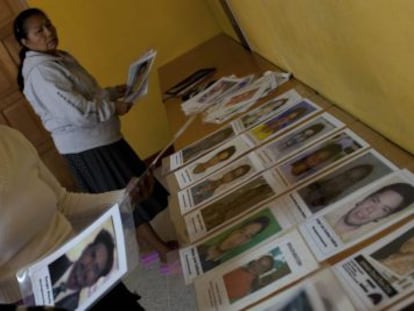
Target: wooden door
[[15, 111]]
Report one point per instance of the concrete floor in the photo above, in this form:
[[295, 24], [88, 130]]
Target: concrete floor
[[162, 291]]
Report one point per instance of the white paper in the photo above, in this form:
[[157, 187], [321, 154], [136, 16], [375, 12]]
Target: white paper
[[321, 156], [266, 110], [235, 240], [299, 138], [40, 274], [138, 72], [283, 121], [212, 161], [319, 292], [361, 215], [238, 201], [366, 275], [233, 286], [220, 182]]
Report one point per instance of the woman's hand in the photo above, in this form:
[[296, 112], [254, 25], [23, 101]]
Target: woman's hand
[[117, 91], [122, 107], [140, 188]]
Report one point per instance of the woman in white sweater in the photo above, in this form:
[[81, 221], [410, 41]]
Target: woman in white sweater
[[37, 215], [83, 119]]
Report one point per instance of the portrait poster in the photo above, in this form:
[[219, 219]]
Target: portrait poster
[[244, 280], [383, 272], [283, 121], [138, 72], [214, 93], [299, 138], [60, 267], [319, 292], [339, 182], [241, 100], [198, 148], [233, 204], [212, 161], [321, 156], [220, 182], [234, 240], [266, 110], [366, 212]]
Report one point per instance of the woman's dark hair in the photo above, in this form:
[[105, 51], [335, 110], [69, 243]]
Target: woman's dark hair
[[404, 189], [20, 32], [104, 237]]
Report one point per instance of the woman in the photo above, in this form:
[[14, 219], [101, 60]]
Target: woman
[[207, 188], [82, 118], [220, 156], [30, 192], [215, 254]]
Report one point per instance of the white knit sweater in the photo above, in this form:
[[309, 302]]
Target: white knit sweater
[[35, 211], [78, 113]]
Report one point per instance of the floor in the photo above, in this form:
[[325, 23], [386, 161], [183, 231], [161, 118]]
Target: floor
[[161, 291]]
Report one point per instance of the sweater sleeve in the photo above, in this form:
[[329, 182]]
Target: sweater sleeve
[[56, 90], [76, 206]]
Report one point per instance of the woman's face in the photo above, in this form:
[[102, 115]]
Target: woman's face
[[40, 34], [374, 207], [240, 236]]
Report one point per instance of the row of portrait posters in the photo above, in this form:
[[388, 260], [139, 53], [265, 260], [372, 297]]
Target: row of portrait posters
[[294, 173]]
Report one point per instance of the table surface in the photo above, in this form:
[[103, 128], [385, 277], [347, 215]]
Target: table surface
[[229, 57]]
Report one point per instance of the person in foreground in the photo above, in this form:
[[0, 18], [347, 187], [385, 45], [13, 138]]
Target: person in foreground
[[38, 215], [83, 119]]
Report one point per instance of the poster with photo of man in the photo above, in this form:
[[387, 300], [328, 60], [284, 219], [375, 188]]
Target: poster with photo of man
[[361, 215], [83, 269]]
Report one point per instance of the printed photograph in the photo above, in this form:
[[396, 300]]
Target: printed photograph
[[262, 113], [300, 137], [371, 210], [236, 202], [237, 239], [314, 159], [344, 180], [398, 255], [255, 275], [283, 120], [209, 187], [204, 145], [76, 275]]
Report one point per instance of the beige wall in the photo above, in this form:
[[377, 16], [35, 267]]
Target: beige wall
[[357, 53], [107, 35]]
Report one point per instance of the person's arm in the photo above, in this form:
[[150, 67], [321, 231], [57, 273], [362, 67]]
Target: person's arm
[[52, 86]]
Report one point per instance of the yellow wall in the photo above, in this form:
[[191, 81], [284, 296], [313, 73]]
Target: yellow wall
[[357, 53], [106, 36]]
